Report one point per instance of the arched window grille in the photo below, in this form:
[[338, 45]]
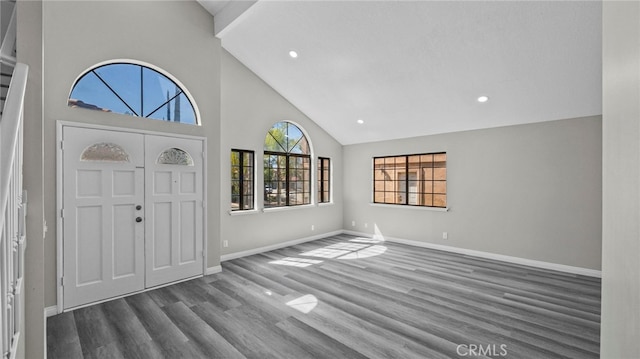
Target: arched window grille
[[135, 90]]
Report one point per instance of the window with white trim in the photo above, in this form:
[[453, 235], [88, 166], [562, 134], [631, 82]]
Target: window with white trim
[[132, 89], [242, 180], [324, 180], [414, 180], [287, 166]]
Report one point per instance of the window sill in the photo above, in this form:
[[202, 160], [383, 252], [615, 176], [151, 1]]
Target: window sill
[[244, 212], [287, 208], [421, 208], [325, 204]]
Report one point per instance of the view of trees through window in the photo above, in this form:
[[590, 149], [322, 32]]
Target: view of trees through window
[[134, 90], [324, 184], [416, 180], [242, 168], [287, 167]]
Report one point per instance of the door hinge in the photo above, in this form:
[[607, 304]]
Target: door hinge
[[62, 213], [62, 281], [62, 145], [202, 253]]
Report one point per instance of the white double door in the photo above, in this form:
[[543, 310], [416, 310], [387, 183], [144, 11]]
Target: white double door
[[132, 212]]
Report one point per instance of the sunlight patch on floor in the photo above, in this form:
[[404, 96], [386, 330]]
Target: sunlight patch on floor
[[355, 248], [365, 253], [325, 253], [347, 250], [304, 304], [366, 240], [296, 262]]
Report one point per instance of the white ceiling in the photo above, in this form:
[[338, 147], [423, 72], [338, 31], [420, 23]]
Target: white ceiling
[[411, 68]]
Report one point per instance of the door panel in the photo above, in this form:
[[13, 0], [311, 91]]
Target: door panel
[[174, 195], [162, 233], [103, 244], [124, 240], [89, 245], [188, 234]]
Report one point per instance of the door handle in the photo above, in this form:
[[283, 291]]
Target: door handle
[[138, 219], [138, 207]]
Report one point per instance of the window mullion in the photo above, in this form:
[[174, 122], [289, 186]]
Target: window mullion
[[114, 92], [406, 180], [321, 180], [241, 179], [328, 199], [286, 183], [142, 92], [433, 181], [164, 103]]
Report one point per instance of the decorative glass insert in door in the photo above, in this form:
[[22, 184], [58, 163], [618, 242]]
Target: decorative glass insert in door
[[105, 152], [175, 156]]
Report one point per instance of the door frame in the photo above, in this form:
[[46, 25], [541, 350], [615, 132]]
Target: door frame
[[60, 125]]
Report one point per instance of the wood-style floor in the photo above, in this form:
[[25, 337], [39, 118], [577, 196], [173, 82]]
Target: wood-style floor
[[345, 297]]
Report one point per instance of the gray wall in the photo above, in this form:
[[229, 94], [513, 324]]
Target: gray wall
[[249, 108], [530, 191], [620, 324], [79, 34]]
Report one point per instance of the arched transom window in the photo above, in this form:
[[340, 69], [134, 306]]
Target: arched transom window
[[287, 166], [135, 90]]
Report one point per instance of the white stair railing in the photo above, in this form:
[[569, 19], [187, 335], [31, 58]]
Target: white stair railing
[[8, 46], [12, 213]]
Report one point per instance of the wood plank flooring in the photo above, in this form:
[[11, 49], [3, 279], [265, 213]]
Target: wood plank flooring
[[345, 297]]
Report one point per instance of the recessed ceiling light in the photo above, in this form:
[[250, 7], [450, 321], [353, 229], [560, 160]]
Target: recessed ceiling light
[[293, 54], [360, 121], [483, 99]]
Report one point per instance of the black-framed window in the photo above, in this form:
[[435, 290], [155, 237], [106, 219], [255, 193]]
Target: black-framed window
[[132, 89], [324, 180], [415, 180], [287, 166], [242, 180]]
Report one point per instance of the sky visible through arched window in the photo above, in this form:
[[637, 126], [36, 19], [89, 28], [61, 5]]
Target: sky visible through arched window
[[134, 90]]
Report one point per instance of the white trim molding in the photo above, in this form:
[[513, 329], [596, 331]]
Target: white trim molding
[[404, 206], [487, 255], [51, 311], [213, 270], [230, 256]]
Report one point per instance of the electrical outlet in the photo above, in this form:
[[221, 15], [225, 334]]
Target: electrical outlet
[[445, 235], [225, 243], [313, 228], [353, 223], [366, 225]]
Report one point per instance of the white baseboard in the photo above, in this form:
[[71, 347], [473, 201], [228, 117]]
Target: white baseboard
[[250, 252], [213, 270], [50, 311], [487, 255]]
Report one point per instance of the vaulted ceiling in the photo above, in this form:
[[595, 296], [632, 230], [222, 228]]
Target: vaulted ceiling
[[411, 68]]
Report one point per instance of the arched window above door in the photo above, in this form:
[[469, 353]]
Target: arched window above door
[[135, 90]]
